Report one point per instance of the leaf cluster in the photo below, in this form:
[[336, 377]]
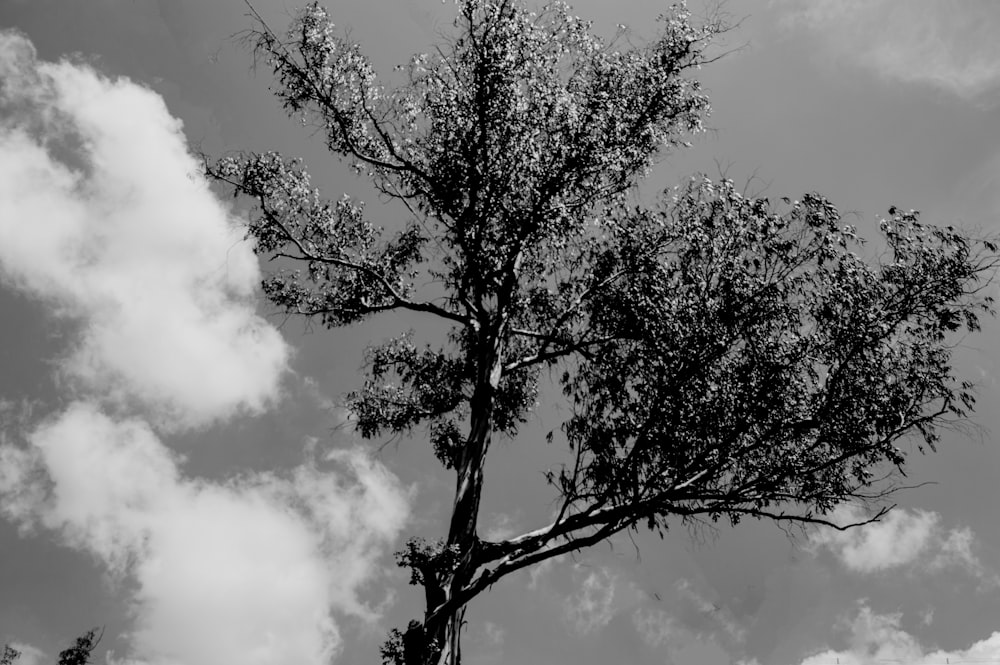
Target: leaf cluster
[[758, 360]]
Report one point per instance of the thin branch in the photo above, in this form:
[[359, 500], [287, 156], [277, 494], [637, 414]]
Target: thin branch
[[577, 347], [614, 524], [808, 519], [398, 300], [287, 63]]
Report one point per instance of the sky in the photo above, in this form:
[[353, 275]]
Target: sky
[[174, 465]]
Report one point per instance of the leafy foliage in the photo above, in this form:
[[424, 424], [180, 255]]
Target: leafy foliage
[[78, 654], [757, 361], [82, 649], [9, 655], [721, 356]]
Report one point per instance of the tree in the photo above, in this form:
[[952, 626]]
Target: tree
[[78, 654], [9, 655], [83, 647], [722, 357]]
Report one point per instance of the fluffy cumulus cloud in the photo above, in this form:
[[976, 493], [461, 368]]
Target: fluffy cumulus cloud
[[246, 571], [103, 216], [28, 654], [900, 539], [950, 44], [878, 638]]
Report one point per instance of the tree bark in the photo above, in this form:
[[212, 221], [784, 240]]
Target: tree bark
[[441, 634]]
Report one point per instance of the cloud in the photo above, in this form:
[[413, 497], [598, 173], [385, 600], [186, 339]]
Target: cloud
[[900, 539], [956, 550], [948, 44], [722, 616], [242, 572], [655, 626], [29, 655], [877, 638], [104, 217], [591, 607], [896, 540], [493, 634], [694, 623], [499, 526], [537, 572]]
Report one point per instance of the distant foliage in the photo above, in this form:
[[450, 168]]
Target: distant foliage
[[78, 654], [81, 651], [721, 356], [9, 655]]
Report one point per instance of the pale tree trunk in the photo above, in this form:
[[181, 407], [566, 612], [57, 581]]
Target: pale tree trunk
[[439, 639]]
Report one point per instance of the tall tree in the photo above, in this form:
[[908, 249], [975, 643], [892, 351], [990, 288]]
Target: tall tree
[[721, 357]]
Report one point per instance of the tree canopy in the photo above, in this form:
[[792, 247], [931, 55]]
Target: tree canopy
[[721, 355], [78, 654]]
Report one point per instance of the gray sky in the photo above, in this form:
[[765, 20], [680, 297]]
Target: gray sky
[[173, 467]]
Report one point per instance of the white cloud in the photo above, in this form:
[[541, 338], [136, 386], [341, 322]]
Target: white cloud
[[242, 572], [538, 571], [956, 550], [494, 634], [896, 540], [694, 623], [499, 526], [654, 626], [21, 486], [877, 638], [950, 44], [29, 655], [103, 216], [722, 616], [900, 539], [591, 606]]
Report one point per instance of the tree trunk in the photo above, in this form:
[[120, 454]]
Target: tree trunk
[[439, 639]]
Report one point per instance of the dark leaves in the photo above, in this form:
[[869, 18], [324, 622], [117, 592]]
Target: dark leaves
[[9, 655], [80, 652], [409, 386], [758, 354]]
